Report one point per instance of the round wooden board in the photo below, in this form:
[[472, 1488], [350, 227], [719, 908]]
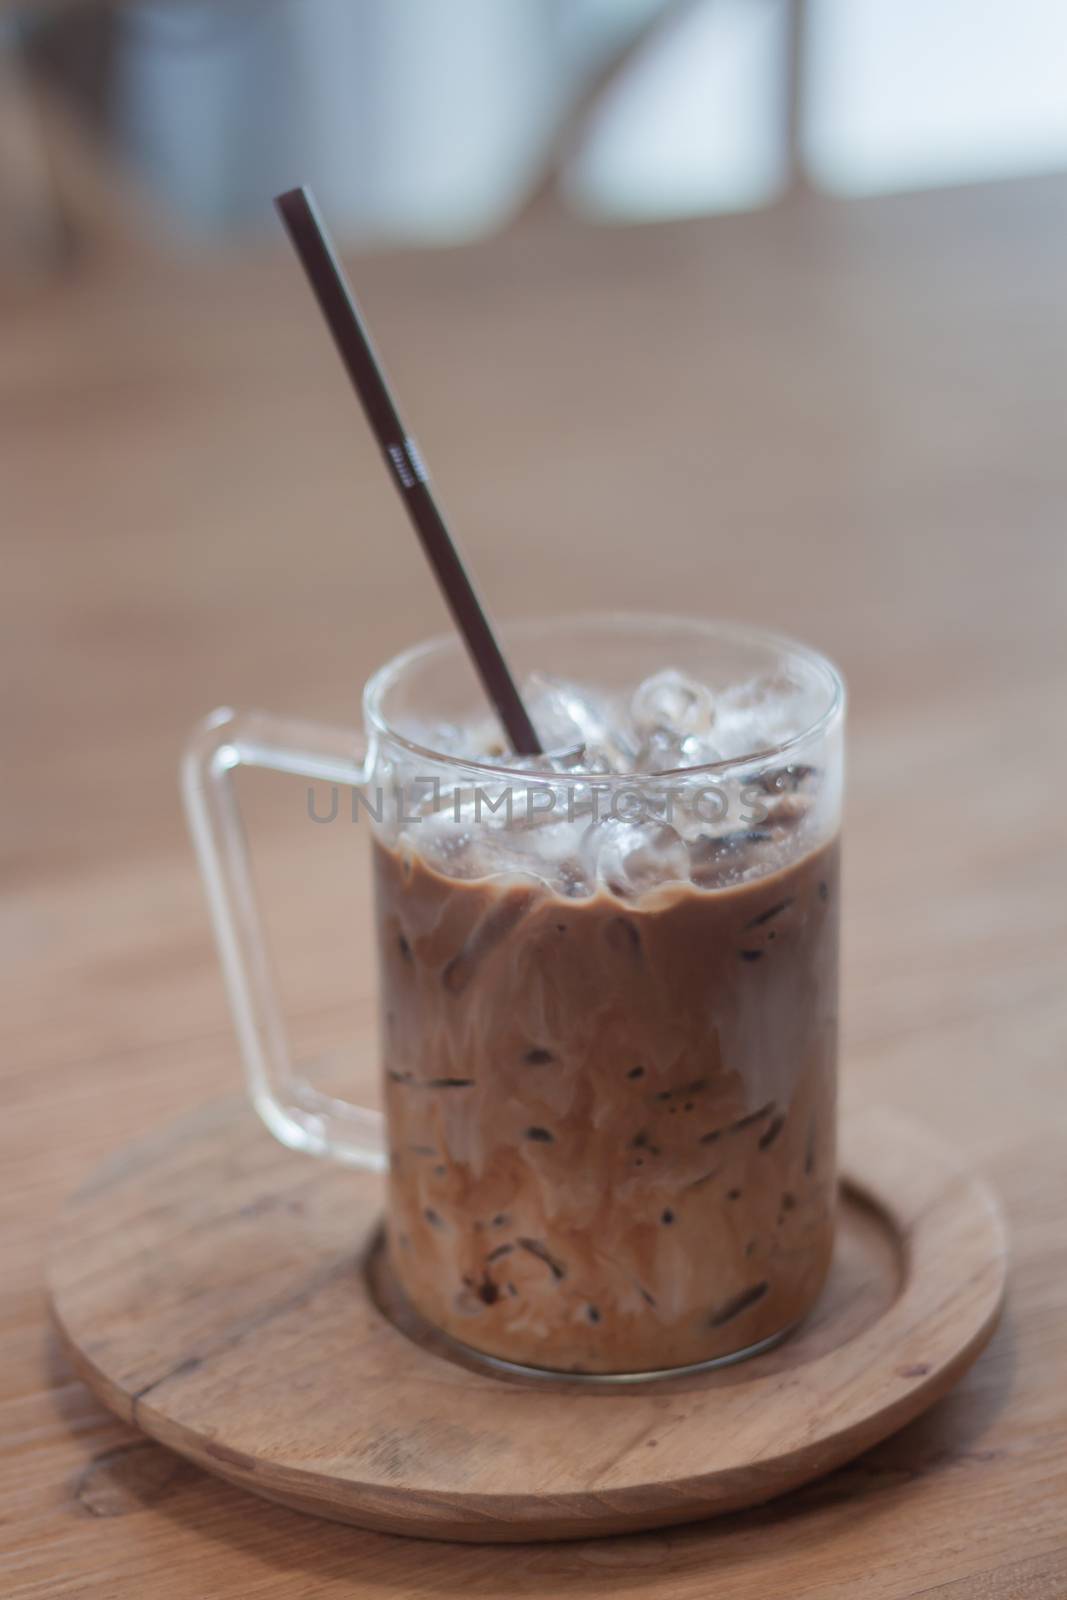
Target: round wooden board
[[212, 1289]]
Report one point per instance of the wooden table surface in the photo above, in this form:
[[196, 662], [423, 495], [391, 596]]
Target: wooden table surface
[[845, 422]]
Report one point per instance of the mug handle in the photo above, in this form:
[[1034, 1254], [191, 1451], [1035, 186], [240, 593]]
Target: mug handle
[[296, 1113]]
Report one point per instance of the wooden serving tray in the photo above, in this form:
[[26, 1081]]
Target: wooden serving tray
[[229, 1298]]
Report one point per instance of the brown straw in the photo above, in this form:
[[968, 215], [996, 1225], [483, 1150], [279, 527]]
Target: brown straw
[[312, 243]]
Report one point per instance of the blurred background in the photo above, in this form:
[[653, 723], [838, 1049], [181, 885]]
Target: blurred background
[[420, 122]]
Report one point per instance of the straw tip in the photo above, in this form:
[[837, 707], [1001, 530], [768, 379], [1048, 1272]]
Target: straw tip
[[293, 199]]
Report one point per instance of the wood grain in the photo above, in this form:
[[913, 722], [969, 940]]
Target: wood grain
[[857, 438], [214, 1292]]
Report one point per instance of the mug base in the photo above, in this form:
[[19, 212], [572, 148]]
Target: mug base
[[389, 1296], [499, 1366]]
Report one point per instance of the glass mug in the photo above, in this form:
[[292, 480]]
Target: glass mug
[[608, 1003]]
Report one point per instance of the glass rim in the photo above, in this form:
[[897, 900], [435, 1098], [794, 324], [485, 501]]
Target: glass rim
[[387, 676]]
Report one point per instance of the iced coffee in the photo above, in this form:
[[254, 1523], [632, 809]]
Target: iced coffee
[[609, 1032]]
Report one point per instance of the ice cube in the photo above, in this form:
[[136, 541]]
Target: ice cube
[[448, 845], [572, 880], [673, 719], [671, 701], [575, 724], [664, 751], [758, 714], [660, 751], [547, 840], [630, 857]]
